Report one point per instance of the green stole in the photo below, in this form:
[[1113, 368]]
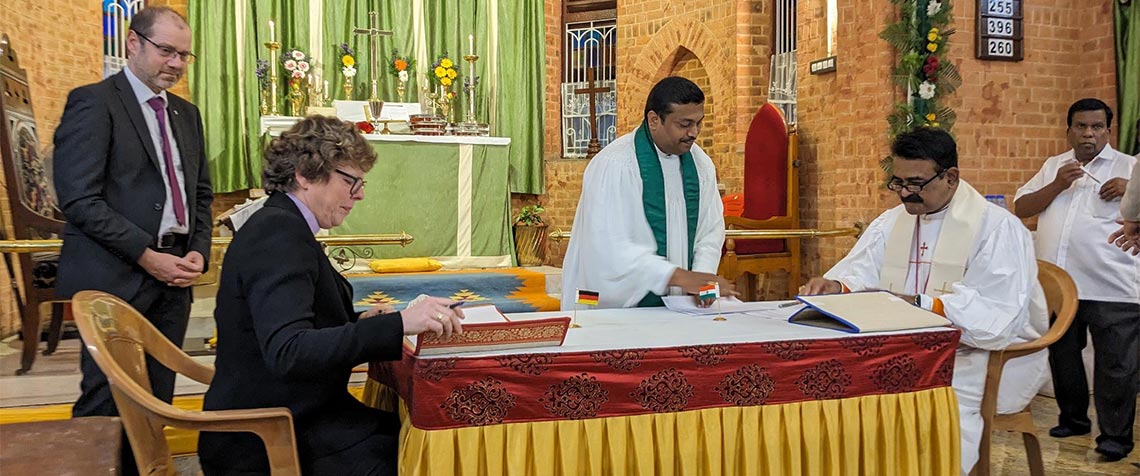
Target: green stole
[[653, 198]]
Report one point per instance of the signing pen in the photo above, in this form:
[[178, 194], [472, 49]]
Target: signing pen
[[455, 305], [1086, 171], [789, 304]]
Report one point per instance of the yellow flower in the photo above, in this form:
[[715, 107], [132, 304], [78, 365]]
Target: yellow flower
[[931, 36], [932, 47], [935, 124], [931, 117], [446, 63], [347, 60], [445, 81], [934, 30], [440, 72], [451, 74]]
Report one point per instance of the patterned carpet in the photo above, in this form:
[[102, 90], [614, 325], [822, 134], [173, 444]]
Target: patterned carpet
[[511, 290]]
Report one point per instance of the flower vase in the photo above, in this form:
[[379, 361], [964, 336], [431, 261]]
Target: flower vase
[[296, 101], [401, 88], [347, 89], [444, 104], [264, 102]]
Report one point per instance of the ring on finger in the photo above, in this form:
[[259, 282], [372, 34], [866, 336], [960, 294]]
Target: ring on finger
[[439, 316]]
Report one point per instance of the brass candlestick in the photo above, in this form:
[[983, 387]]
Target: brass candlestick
[[273, 60], [469, 84]]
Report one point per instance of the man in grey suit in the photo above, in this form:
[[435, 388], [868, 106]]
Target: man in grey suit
[[133, 183]]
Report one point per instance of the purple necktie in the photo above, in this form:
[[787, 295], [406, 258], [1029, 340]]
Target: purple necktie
[[159, 106]]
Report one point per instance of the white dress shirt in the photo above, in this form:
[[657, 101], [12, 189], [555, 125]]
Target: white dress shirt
[[1072, 232], [169, 222]]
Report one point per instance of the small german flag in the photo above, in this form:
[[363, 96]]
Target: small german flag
[[587, 297]]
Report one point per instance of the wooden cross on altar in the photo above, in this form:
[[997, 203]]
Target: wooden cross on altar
[[593, 91], [374, 33]]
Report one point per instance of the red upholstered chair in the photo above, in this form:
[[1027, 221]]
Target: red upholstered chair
[[771, 202], [35, 213]]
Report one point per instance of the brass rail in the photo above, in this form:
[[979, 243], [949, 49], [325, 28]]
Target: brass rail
[[767, 234], [401, 238]]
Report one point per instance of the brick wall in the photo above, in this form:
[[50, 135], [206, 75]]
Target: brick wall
[[60, 44], [721, 45], [1011, 116]]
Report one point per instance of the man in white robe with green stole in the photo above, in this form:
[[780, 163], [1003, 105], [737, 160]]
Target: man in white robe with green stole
[[650, 221], [948, 250]]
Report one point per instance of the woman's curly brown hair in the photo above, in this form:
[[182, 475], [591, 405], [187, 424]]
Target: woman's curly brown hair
[[314, 147]]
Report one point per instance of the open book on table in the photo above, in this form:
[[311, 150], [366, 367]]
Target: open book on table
[[485, 328], [873, 311]]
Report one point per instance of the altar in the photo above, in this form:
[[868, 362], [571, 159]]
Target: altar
[[449, 192]]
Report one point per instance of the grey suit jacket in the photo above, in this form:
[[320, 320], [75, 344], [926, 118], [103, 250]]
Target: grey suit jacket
[[111, 190]]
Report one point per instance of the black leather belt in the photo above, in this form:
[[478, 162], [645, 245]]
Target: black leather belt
[[171, 240]]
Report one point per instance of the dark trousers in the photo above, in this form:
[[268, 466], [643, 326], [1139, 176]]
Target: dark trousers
[[1115, 329], [168, 308]]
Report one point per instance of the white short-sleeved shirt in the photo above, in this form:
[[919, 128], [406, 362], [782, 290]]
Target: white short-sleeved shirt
[[1073, 231]]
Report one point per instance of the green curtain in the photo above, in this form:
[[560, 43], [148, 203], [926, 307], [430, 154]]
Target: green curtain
[[522, 51], [518, 101], [1126, 22], [220, 97], [229, 101], [340, 18]]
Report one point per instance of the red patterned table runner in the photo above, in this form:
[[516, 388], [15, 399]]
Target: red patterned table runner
[[456, 392]]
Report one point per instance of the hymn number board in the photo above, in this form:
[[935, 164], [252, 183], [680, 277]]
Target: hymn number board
[[999, 30]]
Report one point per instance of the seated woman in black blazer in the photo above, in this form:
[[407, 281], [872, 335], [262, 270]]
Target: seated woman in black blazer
[[287, 332]]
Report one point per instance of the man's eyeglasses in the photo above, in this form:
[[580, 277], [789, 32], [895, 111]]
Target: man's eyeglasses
[[357, 183], [1096, 128], [896, 185], [167, 51]]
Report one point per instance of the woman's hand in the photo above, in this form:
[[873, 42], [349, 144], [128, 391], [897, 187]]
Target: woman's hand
[[432, 314]]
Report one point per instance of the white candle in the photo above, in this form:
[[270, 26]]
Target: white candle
[[326, 89], [272, 32], [471, 45]]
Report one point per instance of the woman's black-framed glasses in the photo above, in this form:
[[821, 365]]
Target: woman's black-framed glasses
[[167, 51], [897, 185], [358, 183]]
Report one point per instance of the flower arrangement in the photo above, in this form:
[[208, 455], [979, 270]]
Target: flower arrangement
[[530, 215], [920, 36], [443, 71], [296, 62], [347, 68], [401, 66], [347, 61], [262, 73]]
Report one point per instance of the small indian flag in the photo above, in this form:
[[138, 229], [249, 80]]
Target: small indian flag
[[587, 297], [709, 291]]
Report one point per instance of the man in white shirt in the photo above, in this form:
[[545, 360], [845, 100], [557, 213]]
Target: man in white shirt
[[948, 250], [650, 221], [1078, 195]]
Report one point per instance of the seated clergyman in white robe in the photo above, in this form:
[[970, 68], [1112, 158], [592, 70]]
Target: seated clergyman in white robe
[[950, 251], [650, 221]]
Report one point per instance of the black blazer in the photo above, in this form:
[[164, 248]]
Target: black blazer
[[111, 190], [288, 337]]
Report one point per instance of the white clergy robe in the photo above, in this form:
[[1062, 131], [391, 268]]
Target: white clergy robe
[[613, 250], [997, 303]]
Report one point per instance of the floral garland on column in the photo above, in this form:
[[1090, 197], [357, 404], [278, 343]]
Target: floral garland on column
[[920, 36]]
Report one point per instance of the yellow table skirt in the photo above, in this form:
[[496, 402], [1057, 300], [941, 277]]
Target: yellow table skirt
[[896, 434]]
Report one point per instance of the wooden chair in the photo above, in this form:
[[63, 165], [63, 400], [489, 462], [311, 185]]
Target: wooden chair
[[35, 212], [771, 202], [119, 338], [1061, 296]]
